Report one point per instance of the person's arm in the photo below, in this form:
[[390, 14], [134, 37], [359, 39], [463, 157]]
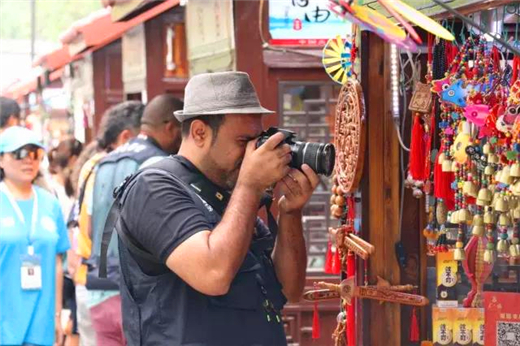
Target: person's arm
[[59, 297], [290, 255], [208, 261]]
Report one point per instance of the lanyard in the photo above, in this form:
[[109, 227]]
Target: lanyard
[[19, 213]]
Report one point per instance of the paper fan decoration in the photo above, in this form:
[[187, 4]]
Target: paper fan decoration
[[336, 59]]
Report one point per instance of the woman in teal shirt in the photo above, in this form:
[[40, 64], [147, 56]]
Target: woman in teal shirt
[[33, 238]]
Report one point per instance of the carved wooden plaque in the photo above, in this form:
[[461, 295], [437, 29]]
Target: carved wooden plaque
[[421, 99]]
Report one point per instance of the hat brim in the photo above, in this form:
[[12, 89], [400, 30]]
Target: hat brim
[[183, 116], [15, 146]]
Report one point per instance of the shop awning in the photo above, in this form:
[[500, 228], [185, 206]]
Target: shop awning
[[123, 10], [99, 30]]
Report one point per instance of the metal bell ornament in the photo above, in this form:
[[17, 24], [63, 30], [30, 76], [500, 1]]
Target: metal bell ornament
[[486, 149], [515, 170], [489, 170], [459, 254], [446, 166], [489, 256]]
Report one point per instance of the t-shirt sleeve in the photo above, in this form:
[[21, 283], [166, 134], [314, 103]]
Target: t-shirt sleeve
[[88, 197], [63, 236], [160, 214]]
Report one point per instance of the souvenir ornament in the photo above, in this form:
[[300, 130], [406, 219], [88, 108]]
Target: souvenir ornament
[[348, 290], [349, 136], [476, 114], [337, 59], [455, 94]]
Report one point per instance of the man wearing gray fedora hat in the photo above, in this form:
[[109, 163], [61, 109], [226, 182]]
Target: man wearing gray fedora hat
[[198, 265]]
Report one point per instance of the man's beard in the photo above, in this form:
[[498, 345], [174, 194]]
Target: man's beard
[[226, 179]]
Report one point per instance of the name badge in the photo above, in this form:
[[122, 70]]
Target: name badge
[[31, 272]]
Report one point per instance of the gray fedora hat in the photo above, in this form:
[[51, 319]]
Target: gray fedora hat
[[220, 93]]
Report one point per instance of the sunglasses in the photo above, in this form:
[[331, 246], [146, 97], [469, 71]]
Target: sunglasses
[[35, 153]]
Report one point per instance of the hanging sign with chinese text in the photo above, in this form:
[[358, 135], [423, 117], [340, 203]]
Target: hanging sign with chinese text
[[303, 23]]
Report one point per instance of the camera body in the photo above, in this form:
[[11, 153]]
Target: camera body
[[320, 157]]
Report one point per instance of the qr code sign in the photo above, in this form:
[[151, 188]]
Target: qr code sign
[[508, 334]]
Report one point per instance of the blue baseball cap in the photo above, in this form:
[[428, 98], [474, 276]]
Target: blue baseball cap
[[16, 137]]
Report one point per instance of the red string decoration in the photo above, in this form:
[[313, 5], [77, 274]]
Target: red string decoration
[[417, 154], [315, 323], [414, 327], [328, 259]]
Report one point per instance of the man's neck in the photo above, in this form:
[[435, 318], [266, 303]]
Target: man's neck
[[149, 136], [19, 190]]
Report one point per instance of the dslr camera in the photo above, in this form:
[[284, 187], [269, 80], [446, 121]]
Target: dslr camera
[[320, 157]]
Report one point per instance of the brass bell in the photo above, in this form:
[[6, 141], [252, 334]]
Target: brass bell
[[491, 158], [489, 256], [498, 176], [441, 158], [513, 203], [504, 220], [478, 231], [513, 250], [466, 187], [486, 149], [464, 215], [454, 217], [446, 166], [502, 246], [454, 166], [516, 213], [459, 254], [478, 220], [515, 189], [482, 203], [489, 170], [505, 177], [485, 195], [515, 170], [502, 205], [489, 218]]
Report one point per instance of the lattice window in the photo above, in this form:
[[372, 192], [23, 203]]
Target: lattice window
[[307, 108]]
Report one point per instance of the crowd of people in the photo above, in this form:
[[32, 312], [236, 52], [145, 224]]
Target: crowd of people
[[190, 263], [53, 206]]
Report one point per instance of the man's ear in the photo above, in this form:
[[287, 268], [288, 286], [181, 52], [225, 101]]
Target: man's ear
[[125, 136], [200, 132]]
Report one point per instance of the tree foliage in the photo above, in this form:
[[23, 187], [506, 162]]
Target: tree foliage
[[52, 17]]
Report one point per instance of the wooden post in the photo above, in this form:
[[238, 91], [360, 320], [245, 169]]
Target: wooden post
[[382, 323]]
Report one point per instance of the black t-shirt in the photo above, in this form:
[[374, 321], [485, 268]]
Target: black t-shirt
[[160, 212]]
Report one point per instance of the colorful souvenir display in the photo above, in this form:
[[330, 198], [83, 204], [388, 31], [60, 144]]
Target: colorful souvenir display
[[476, 174]]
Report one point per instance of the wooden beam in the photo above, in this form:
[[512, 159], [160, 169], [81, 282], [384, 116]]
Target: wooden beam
[[381, 202]]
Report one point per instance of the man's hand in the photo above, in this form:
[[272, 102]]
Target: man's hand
[[297, 189], [265, 166]]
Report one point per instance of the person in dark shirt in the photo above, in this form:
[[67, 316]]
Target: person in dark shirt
[[218, 278]]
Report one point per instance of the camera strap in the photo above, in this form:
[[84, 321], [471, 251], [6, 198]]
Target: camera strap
[[188, 176]]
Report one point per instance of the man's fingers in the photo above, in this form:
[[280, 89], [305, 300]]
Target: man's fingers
[[301, 179], [273, 141], [311, 175]]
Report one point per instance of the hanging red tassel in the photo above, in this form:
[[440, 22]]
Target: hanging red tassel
[[351, 309], [315, 323], [417, 150], [516, 63], [328, 259], [414, 327], [336, 263], [442, 184]]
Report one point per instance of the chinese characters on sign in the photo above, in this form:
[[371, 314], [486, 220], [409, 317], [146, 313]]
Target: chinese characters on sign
[[303, 23]]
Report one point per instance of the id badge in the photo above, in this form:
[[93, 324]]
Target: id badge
[[31, 272]]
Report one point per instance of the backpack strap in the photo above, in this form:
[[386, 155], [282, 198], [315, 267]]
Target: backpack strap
[[209, 192]]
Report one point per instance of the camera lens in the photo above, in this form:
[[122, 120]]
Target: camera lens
[[320, 157]]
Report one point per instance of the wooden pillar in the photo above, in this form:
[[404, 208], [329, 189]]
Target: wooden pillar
[[381, 187]]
